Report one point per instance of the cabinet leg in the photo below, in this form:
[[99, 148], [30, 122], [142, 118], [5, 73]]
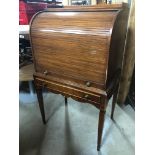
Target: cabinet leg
[[114, 103], [66, 101], [100, 128], [41, 104]]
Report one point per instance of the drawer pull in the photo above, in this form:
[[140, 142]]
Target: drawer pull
[[88, 84], [86, 96], [45, 72]]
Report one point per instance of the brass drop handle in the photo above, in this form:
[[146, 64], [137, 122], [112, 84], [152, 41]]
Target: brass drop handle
[[45, 72], [86, 96], [88, 84]]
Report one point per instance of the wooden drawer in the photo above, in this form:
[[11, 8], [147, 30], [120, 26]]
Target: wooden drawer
[[70, 91]]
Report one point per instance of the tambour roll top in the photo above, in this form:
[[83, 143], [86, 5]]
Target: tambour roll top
[[80, 43]]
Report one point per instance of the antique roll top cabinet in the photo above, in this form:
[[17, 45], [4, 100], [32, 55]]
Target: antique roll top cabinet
[[78, 53]]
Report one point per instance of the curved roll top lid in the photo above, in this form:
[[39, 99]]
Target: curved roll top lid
[[74, 41]]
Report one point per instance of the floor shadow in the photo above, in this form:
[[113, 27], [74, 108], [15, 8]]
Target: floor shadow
[[31, 132], [125, 137], [52, 106], [107, 132], [100, 153], [71, 147], [54, 110]]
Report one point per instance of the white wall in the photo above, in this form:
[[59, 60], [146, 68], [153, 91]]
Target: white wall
[[119, 1], [68, 2], [65, 2]]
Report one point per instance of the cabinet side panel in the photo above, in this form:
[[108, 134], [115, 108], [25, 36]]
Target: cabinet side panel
[[118, 39]]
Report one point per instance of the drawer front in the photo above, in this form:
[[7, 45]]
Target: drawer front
[[65, 79], [67, 90]]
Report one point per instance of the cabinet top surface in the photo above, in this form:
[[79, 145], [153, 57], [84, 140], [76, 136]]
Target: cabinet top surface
[[101, 7]]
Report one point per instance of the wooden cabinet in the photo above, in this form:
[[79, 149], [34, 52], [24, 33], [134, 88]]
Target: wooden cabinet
[[78, 53]]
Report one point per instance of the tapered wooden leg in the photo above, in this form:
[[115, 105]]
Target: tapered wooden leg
[[41, 104], [100, 128], [66, 101], [114, 103]]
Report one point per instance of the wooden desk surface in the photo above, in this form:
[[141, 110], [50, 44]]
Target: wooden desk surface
[[26, 73]]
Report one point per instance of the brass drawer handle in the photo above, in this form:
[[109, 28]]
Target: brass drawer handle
[[45, 72], [88, 84], [86, 96]]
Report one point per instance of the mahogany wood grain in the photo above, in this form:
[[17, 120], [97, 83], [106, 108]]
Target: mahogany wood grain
[[117, 46], [78, 51], [41, 104], [77, 59], [100, 128], [74, 83], [69, 90]]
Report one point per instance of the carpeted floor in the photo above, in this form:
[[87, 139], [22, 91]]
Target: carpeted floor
[[73, 130]]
